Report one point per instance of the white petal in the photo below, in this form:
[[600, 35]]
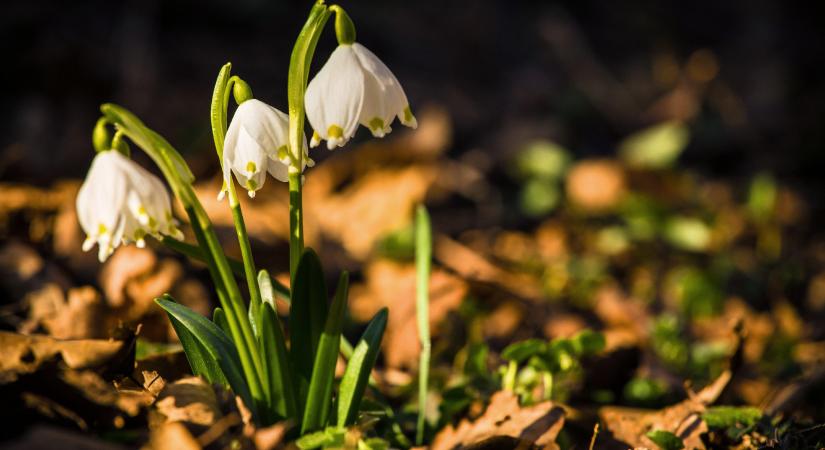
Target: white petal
[[391, 100], [335, 96]]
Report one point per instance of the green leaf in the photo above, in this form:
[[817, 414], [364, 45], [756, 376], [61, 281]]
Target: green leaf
[[199, 360], [656, 147], [665, 440], [359, 368], [319, 398], [307, 316], [687, 233], [331, 437], [543, 159], [539, 197], [219, 317], [520, 351], [722, 417], [588, 342], [214, 345], [277, 370]]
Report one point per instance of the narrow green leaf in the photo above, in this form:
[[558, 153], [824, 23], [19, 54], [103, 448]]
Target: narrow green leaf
[[423, 261], [359, 368], [214, 343], [319, 399], [307, 316], [219, 317], [199, 360], [276, 363]]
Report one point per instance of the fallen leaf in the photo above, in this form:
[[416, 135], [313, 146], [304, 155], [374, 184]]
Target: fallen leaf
[[505, 424], [630, 425]]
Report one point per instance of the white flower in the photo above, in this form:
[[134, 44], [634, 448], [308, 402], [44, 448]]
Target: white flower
[[121, 202], [354, 87], [256, 142]]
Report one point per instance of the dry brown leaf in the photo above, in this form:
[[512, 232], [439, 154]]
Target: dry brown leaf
[[381, 201], [172, 435], [526, 426], [46, 436], [190, 400], [473, 266], [61, 380], [79, 316], [24, 354], [630, 425], [504, 320], [392, 284], [596, 185]]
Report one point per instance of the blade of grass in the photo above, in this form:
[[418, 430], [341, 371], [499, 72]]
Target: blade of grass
[[219, 317], [423, 257], [276, 368], [307, 316], [359, 368], [319, 399]]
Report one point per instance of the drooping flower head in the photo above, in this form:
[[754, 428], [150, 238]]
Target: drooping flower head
[[121, 202], [257, 142], [354, 87]]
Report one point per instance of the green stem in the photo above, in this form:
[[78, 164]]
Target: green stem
[[218, 113], [423, 260], [179, 177], [299, 64], [296, 224]]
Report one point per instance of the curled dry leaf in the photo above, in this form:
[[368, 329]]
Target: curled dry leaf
[[189, 400], [24, 354], [61, 380], [210, 415], [505, 424], [683, 419]]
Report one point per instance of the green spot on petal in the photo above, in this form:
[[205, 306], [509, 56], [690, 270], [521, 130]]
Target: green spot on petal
[[251, 185], [376, 124], [283, 152], [408, 115], [251, 167], [335, 131]]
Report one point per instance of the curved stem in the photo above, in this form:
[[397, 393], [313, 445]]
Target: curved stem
[[299, 64], [179, 178], [218, 112]]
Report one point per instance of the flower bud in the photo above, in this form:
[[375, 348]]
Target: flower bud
[[101, 137], [241, 91]]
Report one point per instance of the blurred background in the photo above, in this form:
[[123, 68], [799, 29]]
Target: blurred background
[[651, 170], [747, 77]]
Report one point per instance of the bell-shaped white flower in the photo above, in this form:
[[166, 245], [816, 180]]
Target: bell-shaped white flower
[[121, 202], [354, 87], [257, 142]]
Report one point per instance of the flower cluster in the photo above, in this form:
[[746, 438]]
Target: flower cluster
[[121, 202]]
